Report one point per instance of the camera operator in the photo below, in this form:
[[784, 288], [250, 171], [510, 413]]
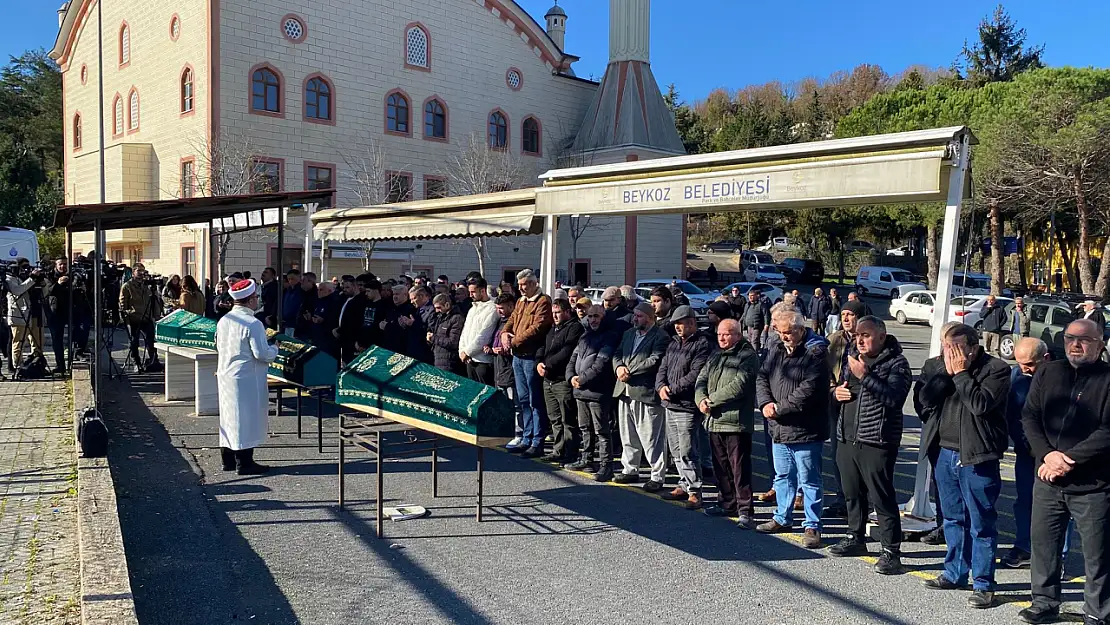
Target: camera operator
[[139, 309], [25, 309], [59, 290]]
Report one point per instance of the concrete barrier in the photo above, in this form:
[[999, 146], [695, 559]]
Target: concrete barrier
[[106, 597]]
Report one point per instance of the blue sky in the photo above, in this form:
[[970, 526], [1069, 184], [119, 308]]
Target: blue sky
[[732, 43]]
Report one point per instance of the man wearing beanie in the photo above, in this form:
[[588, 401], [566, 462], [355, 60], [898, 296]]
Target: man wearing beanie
[[243, 357], [718, 312]]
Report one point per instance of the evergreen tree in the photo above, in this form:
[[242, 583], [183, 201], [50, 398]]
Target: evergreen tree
[[1000, 53]]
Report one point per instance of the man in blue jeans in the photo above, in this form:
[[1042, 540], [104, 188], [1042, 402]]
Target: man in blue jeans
[[524, 332], [971, 392], [792, 393]]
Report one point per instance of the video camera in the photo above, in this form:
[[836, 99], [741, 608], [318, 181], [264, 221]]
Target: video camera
[[83, 271]]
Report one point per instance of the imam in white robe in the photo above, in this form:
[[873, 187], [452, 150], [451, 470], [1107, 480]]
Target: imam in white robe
[[243, 359]]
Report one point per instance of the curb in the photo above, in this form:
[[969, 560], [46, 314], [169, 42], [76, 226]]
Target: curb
[[106, 597]]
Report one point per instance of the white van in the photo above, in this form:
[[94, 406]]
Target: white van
[[889, 282], [18, 243]]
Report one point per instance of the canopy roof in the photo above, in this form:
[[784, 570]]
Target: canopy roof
[[490, 214], [176, 212]]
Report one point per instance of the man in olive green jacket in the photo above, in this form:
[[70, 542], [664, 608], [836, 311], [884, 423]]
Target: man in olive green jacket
[[725, 394]]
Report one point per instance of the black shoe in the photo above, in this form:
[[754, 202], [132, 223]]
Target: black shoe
[[589, 468], [553, 458], [850, 546], [718, 511], [532, 452], [835, 511], [1040, 613], [60, 370], [935, 537], [627, 478], [227, 457], [253, 469], [652, 486], [604, 474], [578, 465], [890, 563], [940, 582], [981, 599], [745, 522], [1014, 559]]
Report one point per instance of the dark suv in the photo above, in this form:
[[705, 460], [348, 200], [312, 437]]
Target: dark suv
[[803, 271]]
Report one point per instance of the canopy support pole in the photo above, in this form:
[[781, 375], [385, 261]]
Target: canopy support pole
[[98, 312], [548, 253], [310, 210], [280, 273], [919, 507]]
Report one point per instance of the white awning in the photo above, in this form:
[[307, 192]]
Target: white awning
[[490, 214]]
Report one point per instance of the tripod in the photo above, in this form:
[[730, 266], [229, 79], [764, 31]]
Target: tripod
[[148, 316]]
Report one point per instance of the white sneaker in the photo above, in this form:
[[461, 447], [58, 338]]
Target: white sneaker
[[514, 443]]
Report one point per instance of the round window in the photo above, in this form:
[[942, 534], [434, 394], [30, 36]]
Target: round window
[[514, 79], [293, 28]]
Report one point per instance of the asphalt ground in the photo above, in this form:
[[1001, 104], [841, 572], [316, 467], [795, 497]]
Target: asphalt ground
[[208, 547]]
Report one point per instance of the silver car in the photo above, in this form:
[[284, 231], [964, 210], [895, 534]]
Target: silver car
[[969, 309]]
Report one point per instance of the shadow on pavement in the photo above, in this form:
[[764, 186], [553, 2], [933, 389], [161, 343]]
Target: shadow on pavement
[[188, 566]]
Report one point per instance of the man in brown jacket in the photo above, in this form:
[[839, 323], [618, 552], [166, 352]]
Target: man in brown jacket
[[525, 332], [140, 310]]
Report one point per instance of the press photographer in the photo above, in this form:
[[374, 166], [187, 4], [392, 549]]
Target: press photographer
[[140, 305], [62, 287], [24, 285]]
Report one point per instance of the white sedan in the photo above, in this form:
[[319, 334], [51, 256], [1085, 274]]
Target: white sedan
[[765, 273], [914, 306], [772, 292]]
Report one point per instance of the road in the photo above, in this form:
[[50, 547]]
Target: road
[[209, 547]]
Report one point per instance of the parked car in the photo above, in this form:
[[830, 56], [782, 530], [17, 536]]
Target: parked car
[[973, 284], [969, 309], [761, 272], [859, 245], [914, 306], [724, 245], [803, 270], [776, 243], [594, 293], [901, 250], [1047, 321], [886, 282], [772, 292], [699, 299], [748, 257]]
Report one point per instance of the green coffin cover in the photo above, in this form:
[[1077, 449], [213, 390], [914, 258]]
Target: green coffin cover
[[168, 329], [384, 380], [302, 363]]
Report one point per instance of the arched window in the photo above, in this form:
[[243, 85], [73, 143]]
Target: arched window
[[124, 44], [435, 120], [117, 115], [133, 111], [77, 131], [266, 90], [317, 99], [187, 90], [397, 113], [417, 46], [498, 130], [530, 136]]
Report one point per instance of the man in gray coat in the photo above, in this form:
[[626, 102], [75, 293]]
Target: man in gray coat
[[640, 415]]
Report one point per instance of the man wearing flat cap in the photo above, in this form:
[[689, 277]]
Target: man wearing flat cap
[[243, 357]]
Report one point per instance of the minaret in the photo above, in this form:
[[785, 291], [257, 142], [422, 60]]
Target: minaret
[[557, 24], [629, 30]]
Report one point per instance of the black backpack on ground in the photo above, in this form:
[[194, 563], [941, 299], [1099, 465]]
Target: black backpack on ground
[[33, 368], [92, 433]]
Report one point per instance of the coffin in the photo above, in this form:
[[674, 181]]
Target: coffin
[[302, 363], [184, 329], [403, 389]]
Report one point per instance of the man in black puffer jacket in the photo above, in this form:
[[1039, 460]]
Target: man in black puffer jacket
[[444, 335], [792, 393], [675, 382], [591, 374], [871, 393], [551, 363]]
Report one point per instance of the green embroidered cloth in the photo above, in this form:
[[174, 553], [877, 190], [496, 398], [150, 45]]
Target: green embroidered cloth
[[185, 329], [302, 363], [384, 380]]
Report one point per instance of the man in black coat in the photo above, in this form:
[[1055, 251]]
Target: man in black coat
[[792, 393], [590, 370], [1067, 422], [403, 329], [971, 395], [869, 431], [994, 324], [444, 334], [271, 291], [325, 318], [551, 363], [675, 382], [350, 319], [819, 308]]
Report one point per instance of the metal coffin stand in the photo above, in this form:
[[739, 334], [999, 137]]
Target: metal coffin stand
[[368, 433]]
